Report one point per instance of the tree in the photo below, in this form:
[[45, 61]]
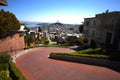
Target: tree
[[72, 40], [3, 75], [56, 39], [44, 40], [39, 29], [81, 28], [9, 24], [26, 28], [29, 39]]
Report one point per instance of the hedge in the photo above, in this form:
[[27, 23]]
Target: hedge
[[4, 75], [4, 58]]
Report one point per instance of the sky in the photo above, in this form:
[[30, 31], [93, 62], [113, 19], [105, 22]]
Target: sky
[[64, 11]]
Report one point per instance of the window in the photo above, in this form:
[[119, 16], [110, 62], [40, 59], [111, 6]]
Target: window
[[87, 23], [93, 34], [94, 23]]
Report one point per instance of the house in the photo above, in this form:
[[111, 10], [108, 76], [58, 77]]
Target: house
[[103, 29], [3, 3]]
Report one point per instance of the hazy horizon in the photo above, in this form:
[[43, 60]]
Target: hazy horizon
[[65, 11]]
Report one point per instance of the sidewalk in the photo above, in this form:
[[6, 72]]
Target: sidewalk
[[21, 53], [18, 55]]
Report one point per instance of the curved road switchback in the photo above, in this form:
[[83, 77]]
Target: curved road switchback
[[35, 65]]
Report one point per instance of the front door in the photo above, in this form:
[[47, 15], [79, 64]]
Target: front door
[[108, 39]]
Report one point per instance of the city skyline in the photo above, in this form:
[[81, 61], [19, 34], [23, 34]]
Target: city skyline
[[65, 11]]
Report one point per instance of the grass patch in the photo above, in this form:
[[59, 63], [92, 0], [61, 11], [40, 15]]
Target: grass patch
[[4, 66], [4, 75], [47, 45], [54, 45], [8, 70], [94, 53], [17, 72], [90, 51], [98, 56]]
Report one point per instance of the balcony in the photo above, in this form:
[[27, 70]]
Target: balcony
[[3, 3]]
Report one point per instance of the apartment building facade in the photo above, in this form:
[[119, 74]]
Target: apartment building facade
[[104, 29]]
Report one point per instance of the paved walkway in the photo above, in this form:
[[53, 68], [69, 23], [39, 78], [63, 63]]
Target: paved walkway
[[36, 65]]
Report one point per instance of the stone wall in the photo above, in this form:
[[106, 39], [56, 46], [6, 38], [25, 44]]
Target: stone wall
[[12, 45]]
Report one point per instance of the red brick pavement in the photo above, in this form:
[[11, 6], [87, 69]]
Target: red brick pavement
[[36, 65]]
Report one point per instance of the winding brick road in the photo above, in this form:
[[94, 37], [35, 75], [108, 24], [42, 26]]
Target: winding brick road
[[36, 65]]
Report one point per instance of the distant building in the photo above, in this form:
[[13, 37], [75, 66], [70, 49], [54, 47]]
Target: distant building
[[3, 3], [104, 29], [22, 30]]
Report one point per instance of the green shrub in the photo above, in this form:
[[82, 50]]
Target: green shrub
[[4, 75], [4, 58], [72, 40], [44, 40], [29, 39], [9, 24], [90, 51], [87, 51], [4, 66], [15, 72], [94, 53], [98, 49], [60, 53], [98, 56]]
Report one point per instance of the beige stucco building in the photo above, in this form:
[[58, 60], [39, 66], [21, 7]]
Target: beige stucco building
[[104, 29]]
